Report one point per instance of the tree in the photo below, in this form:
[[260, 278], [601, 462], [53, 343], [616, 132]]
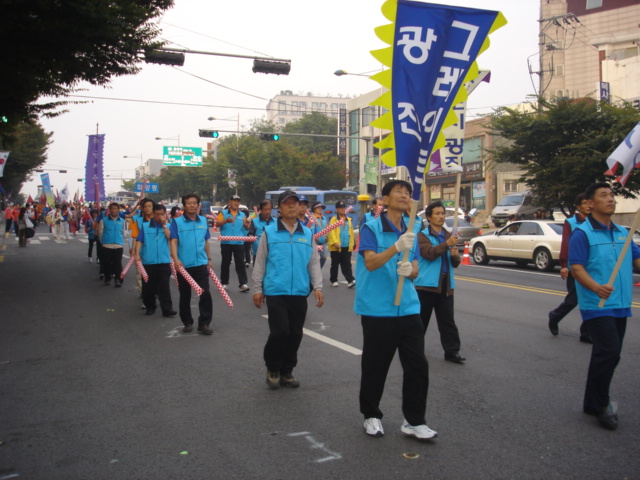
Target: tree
[[28, 148], [48, 47], [313, 123], [562, 147]]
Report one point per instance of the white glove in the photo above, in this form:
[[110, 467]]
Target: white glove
[[405, 242], [404, 268]]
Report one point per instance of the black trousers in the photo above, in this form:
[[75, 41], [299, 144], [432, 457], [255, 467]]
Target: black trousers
[[7, 225], [443, 306], [607, 334], [158, 284], [111, 262], [287, 314], [91, 242], [247, 253], [342, 259], [569, 303], [99, 255], [382, 337], [201, 275], [237, 251]]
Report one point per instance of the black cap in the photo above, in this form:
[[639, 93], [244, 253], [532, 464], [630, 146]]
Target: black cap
[[286, 194], [234, 197], [303, 199], [340, 204], [318, 204]]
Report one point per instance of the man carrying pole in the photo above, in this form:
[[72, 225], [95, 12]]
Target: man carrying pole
[[598, 247]]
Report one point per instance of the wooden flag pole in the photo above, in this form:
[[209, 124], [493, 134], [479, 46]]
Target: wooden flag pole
[[405, 254], [454, 230], [623, 254]]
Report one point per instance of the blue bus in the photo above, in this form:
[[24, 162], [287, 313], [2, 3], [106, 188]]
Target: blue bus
[[327, 197]]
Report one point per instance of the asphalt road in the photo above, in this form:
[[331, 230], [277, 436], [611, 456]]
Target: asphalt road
[[91, 388]]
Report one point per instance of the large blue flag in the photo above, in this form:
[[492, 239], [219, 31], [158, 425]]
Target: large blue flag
[[434, 49]]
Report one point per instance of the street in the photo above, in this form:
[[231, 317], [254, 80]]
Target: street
[[91, 388]]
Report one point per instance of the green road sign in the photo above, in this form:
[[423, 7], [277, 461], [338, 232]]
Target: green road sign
[[182, 156]]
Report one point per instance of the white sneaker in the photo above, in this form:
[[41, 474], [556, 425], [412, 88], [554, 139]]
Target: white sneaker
[[334, 284], [226, 287], [373, 427], [244, 288], [351, 284], [421, 432]]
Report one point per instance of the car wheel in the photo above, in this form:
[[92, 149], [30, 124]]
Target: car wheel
[[480, 254], [542, 260], [522, 263]]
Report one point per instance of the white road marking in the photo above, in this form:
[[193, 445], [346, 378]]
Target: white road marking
[[329, 341], [317, 445]]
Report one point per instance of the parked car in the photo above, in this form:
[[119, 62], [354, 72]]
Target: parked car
[[465, 229], [524, 242], [518, 204]]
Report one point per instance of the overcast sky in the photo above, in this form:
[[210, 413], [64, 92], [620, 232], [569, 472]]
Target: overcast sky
[[318, 37]]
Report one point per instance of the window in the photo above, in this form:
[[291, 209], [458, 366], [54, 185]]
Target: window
[[510, 186], [368, 115], [282, 107], [302, 107], [558, 71], [530, 228], [559, 93], [314, 106], [354, 122], [593, 4], [323, 108], [473, 150], [334, 108]]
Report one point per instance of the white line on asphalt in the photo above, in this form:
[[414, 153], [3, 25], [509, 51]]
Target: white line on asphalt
[[329, 341]]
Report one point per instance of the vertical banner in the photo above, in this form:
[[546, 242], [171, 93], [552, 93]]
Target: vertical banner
[[371, 170], [342, 132], [3, 161], [231, 175], [94, 171], [433, 52], [46, 188]]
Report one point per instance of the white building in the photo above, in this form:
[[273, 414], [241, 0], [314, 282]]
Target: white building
[[287, 106]]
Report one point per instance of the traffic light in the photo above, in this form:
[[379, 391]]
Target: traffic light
[[4, 119], [164, 58], [275, 67], [208, 133], [269, 137]]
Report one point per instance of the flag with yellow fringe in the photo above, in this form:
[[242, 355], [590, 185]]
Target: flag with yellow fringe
[[432, 53]]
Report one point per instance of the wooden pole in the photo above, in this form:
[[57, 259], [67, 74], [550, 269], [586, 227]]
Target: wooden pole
[[623, 254], [405, 254], [454, 230]]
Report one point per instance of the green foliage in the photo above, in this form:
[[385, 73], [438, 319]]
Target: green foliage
[[48, 47], [562, 147], [28, 147]]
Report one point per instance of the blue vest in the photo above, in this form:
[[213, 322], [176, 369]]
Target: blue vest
[[155, 248], [259, 224], [376, 290], [573, 222], [289, 255], [321, 224], [112, 231], [235, 229], [191, 241], [603, 254], [429, 270]]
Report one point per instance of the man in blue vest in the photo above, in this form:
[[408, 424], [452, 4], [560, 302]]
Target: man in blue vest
[[111, 235], [233, 223], [435, 284], [385, 326], [320, 223], [286, 268], [259, 223], [571, 300], [152, 249], [189, 242], [594, 248]]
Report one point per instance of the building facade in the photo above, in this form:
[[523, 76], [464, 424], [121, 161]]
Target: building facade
[[585, 42], [287, 106]]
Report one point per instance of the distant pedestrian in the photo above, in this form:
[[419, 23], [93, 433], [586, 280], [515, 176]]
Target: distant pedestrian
[[153, 251], [439, 256], [190, 249], [582, 209], [232, 222], [111, 234], [320, 223], [259, 223], [594, 249], [286, 268], [8, 219], [90, 229], [341, 243]]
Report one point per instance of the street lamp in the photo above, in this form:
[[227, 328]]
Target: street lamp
[[177, 137], [340, 73]]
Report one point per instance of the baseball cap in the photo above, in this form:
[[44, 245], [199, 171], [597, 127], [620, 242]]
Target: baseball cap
[[340, 204], [234, 197], [318, 204], [303, 199], [287, 194]]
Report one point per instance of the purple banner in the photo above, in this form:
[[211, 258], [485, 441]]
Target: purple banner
[[94, 172]]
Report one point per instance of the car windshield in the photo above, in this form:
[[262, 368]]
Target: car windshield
[[461, 223], [556, 227], [511, 201]]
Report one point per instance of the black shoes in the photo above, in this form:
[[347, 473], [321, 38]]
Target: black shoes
[[150, 311], [607, 418], [205, 330], [187, 328], [118, 283], [585, 339], [289, 381], [170, 313], [553, 327], [457, 358]]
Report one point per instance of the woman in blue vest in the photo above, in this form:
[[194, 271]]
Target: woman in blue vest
[[111, 234], [286, 265], [435, 284], [233, 223], [387, 327], [320, 224]]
